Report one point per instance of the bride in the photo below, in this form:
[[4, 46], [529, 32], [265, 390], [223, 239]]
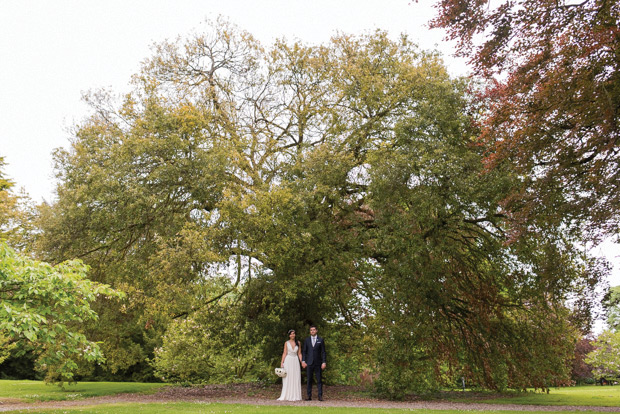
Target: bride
[[291, 358]]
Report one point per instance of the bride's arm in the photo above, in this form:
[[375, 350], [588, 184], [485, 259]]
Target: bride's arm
[[299, 352], [283, 356]]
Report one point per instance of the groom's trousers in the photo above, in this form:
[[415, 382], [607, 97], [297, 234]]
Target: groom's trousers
[[311, 371]]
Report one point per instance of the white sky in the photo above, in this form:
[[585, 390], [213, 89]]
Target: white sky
[[52, 51]]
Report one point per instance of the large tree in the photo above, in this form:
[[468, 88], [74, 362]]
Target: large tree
[[553, 75], [338, 185]]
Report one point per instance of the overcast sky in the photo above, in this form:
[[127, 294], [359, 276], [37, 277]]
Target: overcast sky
[[53, 51]]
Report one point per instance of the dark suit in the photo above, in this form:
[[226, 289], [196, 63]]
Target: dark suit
[[314, 357]]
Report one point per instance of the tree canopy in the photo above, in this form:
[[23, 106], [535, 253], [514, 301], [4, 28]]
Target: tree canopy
[[553, 77], [239, 191]]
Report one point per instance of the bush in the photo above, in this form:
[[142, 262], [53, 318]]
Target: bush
[[208, 348]]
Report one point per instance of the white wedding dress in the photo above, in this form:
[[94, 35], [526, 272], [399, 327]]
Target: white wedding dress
[[291, 384]]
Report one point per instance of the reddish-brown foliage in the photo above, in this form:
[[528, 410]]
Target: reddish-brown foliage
[[553, 91], [582, 371]]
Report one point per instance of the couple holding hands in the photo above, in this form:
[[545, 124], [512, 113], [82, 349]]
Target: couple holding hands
[[312, 358]]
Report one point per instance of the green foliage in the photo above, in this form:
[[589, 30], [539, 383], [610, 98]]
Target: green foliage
[[444, 282], [611, 304], [42, 307], [5, 183], [6, 346], [605, 358], [22, 367], [349, 351], [209, 347], [238, 192], [404, 368], [17, 215]]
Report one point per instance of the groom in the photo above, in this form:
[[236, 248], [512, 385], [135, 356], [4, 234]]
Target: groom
[[314, 360]]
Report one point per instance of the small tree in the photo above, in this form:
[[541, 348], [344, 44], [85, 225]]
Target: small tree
[[605, 359], [582, 371], [16, 214], [41, 307]]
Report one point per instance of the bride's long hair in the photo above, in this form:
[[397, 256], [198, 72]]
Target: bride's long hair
[[288, 336]]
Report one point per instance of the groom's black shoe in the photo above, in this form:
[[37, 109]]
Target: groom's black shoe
[[320, 398], [309, 399]]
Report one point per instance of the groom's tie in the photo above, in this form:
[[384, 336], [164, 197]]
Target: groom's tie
[[313, 341]]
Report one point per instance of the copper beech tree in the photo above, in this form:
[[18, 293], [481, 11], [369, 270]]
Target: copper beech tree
[[552, 73]]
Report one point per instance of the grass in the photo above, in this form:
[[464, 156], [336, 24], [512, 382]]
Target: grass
[[590, 395], [215, 408], [29, 391]]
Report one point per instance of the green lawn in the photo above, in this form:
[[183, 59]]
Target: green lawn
[[39, 391], [28, 391], [208, 408], [590, 395]]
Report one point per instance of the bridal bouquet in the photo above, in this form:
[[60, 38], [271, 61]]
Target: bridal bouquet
[[281, 372]]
